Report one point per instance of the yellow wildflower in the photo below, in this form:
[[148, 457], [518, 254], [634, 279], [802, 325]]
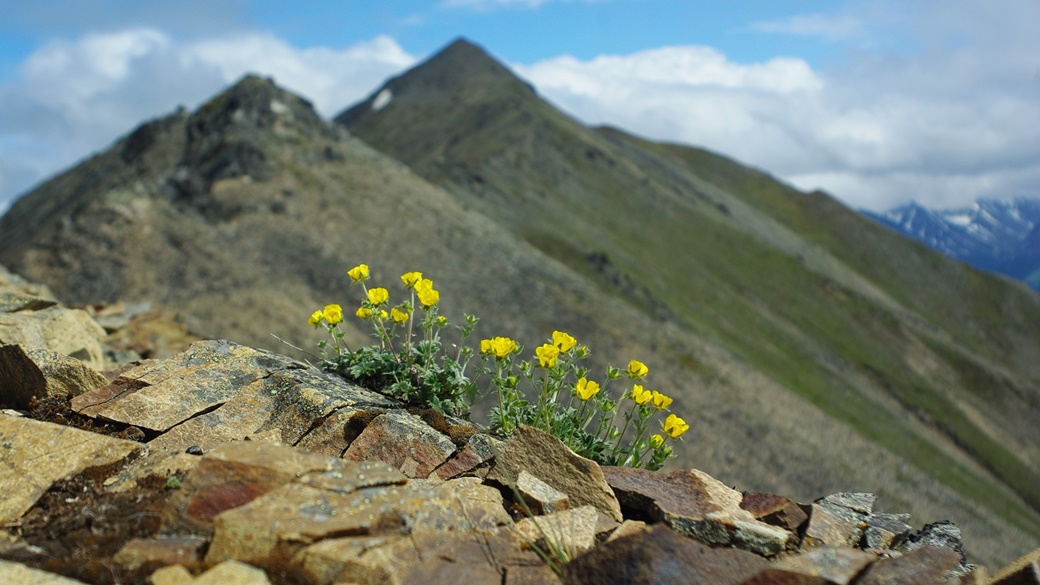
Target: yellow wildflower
[[442, 321], [499, 346], [428, 296], [383, 314], [398, 315], [660, 401], [363, 312], [316, 318], [332, 313], [637, 370], [378, 296], [358, 273], [656, 441], [675, 426], [639, 395], [547, 355], [563, 341], [410, 279], [586, 389]]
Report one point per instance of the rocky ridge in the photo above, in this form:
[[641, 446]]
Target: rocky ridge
[[224, 463]]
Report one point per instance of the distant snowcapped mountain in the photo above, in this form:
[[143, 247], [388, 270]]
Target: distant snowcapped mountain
[[997, 236]]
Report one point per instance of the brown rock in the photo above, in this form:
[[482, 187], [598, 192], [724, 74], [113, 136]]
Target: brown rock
[[544, 455], [34, 454], [831, 526], [660, 556], [627, 528], [154, 464], [479, 450], [835, 564], [697, 505], [924, 566], [235, 474], [44, 323], [571, 531], [162, 551], [18, 574], [34, 372], [171, 575], [1024, 571], [540, 497], [333, 435], [775, 510], [884, 531], [775, 576], [404, 441], [450, 558]]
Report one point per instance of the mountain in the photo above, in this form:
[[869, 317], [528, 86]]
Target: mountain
[[796, 336], [997, 236]]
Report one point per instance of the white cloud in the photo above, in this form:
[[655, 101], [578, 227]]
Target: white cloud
[[954, 119], [75, 97], [828, 26]]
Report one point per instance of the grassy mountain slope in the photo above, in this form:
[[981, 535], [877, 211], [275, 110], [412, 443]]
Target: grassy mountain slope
[[245, 214], [931, 360]]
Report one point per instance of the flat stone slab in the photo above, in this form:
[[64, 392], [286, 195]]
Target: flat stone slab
[[924, 566], [34, 455], [697, 505], [573, 531], [837, 565], [18, 574]]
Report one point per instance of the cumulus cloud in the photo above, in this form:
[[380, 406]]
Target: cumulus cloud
[[953, 119], [829, 26], [75, 97]]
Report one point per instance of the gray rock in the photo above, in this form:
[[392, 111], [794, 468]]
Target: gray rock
[[885, 531], [831, 525], [942, 534]]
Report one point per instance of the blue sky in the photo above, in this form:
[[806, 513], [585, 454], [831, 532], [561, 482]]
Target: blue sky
[[879, 102]]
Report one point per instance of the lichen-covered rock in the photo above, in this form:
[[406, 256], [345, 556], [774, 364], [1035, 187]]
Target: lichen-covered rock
[[36, 372], [404, 441], [570, 531]]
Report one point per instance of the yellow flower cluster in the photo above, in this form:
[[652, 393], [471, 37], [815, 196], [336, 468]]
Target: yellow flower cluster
[[637, 370], [331, 314], [675, 426], [500, 347], [586, 389]]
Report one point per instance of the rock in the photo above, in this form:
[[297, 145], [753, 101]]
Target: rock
[[451, 558], [571, 531], [863, 503], [404, 441], [163, 551], [660, 556], [775, 576], [544, 455], [34, 454], [833, 526], [219, 391], [1024, 571], [540, 497], [627, 528], [18, 574], [35, 322], [226, 573], [295, 515], [35, 372], [14, 285], [235, 474], [697, 505], [479, 450], [775, 510], [155, 465], [834, 564], [923, 566], [335, 433], [885, 531], [942, 534]]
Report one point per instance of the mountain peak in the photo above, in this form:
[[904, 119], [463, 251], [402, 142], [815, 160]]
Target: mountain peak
[[459, 70]]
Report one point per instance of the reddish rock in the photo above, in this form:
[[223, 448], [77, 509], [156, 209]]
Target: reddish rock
[[924, 566], [404, 441], [660, 556], [834, 564], [479, 450], [776, 510], [697, 505]]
